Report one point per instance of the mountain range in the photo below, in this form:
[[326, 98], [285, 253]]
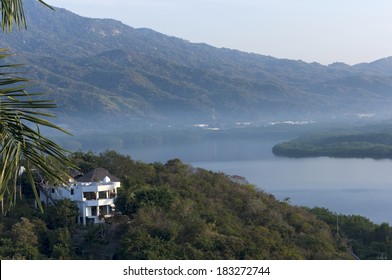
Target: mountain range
[[103, 73]]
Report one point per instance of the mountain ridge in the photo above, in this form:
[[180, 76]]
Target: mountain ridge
[[103, 71]]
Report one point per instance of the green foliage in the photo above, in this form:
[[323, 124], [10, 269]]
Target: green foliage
[[130, 200], [60, 242], [84, 161], [29, 234], [61, 215], [149, 197], [175, 211], [116, 163], [366, 239], [25, 240], [358, 145], [194, 213]]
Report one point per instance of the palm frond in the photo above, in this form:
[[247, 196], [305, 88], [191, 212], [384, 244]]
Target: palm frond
[[12, 13], [21, 116]]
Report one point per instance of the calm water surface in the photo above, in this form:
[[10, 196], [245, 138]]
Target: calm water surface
[[348, 186]]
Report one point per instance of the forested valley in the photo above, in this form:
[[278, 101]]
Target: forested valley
[[175, 211]]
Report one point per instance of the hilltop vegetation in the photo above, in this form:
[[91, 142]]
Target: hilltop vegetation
[[377, 145], [175, 211]]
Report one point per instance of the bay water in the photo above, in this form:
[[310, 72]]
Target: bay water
[[347, 186]]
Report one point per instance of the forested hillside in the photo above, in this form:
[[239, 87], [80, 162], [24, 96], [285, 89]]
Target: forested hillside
[[104, 73], [377, 145], [175, 211]]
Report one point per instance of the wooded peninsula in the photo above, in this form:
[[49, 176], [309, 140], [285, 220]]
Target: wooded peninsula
[[376, 145]]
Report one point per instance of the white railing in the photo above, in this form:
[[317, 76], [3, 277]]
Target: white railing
[[99, 202]]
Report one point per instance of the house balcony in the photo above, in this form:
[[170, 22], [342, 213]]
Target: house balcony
[[96, 187], [99, 202]]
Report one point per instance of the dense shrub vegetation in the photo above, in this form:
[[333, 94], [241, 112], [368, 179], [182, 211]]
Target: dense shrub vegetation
[[358, 145], [175, 211]]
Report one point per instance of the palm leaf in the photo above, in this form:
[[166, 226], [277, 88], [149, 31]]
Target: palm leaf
[[21, 116], [12, 13]]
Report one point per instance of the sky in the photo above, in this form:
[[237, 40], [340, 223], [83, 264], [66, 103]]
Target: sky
[[323, 31]]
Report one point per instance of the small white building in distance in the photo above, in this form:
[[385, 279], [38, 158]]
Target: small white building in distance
[[93, 192]]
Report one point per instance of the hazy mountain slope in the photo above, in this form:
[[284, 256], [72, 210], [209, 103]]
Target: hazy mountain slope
[[101, 72]]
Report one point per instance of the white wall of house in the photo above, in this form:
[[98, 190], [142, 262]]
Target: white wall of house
[[95, 200]]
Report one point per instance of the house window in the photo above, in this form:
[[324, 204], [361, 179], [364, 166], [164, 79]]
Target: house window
[[72, 191], [103, 210], [52, 190], [93, 210], [112, 194], [90, 195], [103, 195]]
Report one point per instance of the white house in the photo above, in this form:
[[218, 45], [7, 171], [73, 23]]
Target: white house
[[94, 194]]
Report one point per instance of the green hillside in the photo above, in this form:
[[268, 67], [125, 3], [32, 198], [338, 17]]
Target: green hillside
[[175, 211]]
